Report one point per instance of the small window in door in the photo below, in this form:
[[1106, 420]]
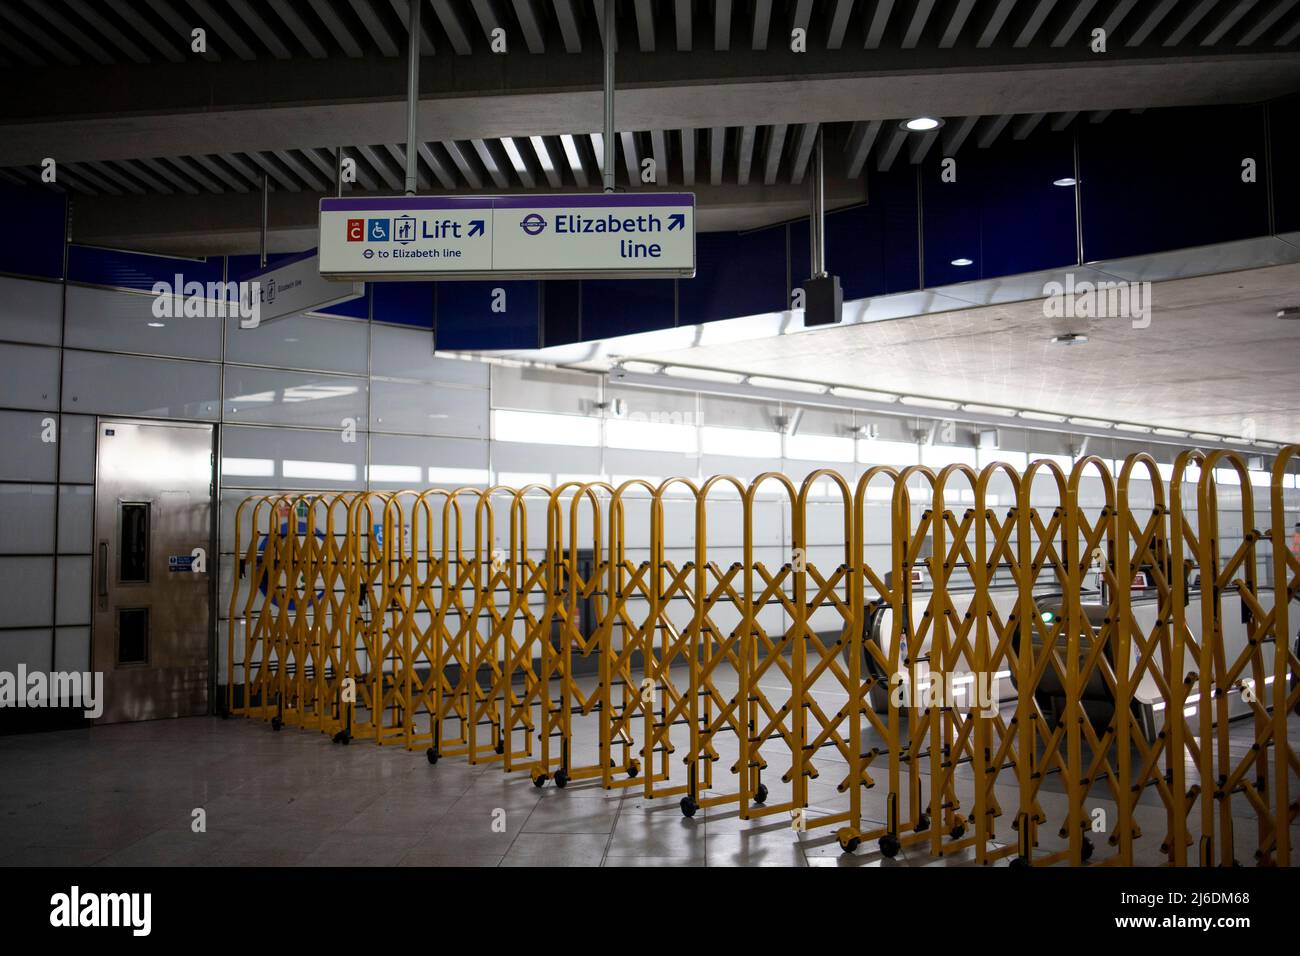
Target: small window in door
[[133, 546], [133, 635]]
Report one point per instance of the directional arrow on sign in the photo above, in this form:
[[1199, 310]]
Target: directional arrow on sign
[[676, 221], [476, 227]]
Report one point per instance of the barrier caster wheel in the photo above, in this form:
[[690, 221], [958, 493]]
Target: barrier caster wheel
[[849, 841], [431, 755], [922, 824], [889, 846], [1019, 863], [539, 779], [958, 831], [1087, 849], [760, 795], [276, 723], [561, 779], [633, 768], [689, 807]]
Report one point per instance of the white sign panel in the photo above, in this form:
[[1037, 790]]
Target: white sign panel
[[296, 286], [449, 237]]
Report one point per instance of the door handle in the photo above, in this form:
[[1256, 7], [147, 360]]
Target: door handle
[[103, 570]]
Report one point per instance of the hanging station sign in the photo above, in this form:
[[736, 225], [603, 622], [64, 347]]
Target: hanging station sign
[[589, 235]]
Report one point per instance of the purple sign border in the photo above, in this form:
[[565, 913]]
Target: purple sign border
[[580, 201]]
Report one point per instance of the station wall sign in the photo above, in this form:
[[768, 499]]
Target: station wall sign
[[588, 235], [296, 285]]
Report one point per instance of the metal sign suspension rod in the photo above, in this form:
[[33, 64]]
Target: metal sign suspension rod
[[817, 233], [412, 91], [608, 171], [266, 204]]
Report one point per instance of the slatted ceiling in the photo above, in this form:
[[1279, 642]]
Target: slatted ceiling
[[1035, 21], [597, 143], [722, 24], [1061, 120], [1024, 125], [532, 22], [745, 154], [1080, 10], [920, 15], [76, 37], [1227, 21], [549, 160], [893, 143], [514, 149], [879, 19], [20, 51], [645, 25], [75, 32], [861, 139], [324, 161], [749, 153], [687, 140], [839, 24], [761, 24], [231, 36], [921, 145], [28, 30], [431, 158], [573, 156], [1290, 36], [803, 146], [955, 133], [631, 156], [659, 148], [682, 20], [990, 129], [772, 153], [566, 15]]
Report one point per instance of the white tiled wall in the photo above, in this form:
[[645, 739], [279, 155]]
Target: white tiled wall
[[284, 394]]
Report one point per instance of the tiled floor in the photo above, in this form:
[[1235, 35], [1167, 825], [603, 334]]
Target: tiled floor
[[127, 795]]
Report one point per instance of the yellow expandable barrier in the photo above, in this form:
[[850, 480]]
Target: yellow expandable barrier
[[1039, 667]]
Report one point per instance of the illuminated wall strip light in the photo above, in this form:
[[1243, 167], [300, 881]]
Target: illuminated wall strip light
[[916, 401]]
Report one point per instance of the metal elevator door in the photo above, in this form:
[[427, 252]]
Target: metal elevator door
[[153, 589]]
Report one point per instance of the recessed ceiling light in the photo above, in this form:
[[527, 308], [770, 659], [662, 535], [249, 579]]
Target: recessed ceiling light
[[1065, 181], [922, 124], [157, 325], [963, 262], [1291, 312], [1070, 338]]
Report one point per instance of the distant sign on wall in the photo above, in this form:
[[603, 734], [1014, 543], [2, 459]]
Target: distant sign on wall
[[296, 286], [590, 235]]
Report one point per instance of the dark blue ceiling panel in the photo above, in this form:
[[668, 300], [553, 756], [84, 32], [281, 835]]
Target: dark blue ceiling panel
[[1171, 179], [1001, 213], [466, 316], [1284, 138], [872, 248], [137, 270], [621, 307], [33, 243], [735, 274]]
